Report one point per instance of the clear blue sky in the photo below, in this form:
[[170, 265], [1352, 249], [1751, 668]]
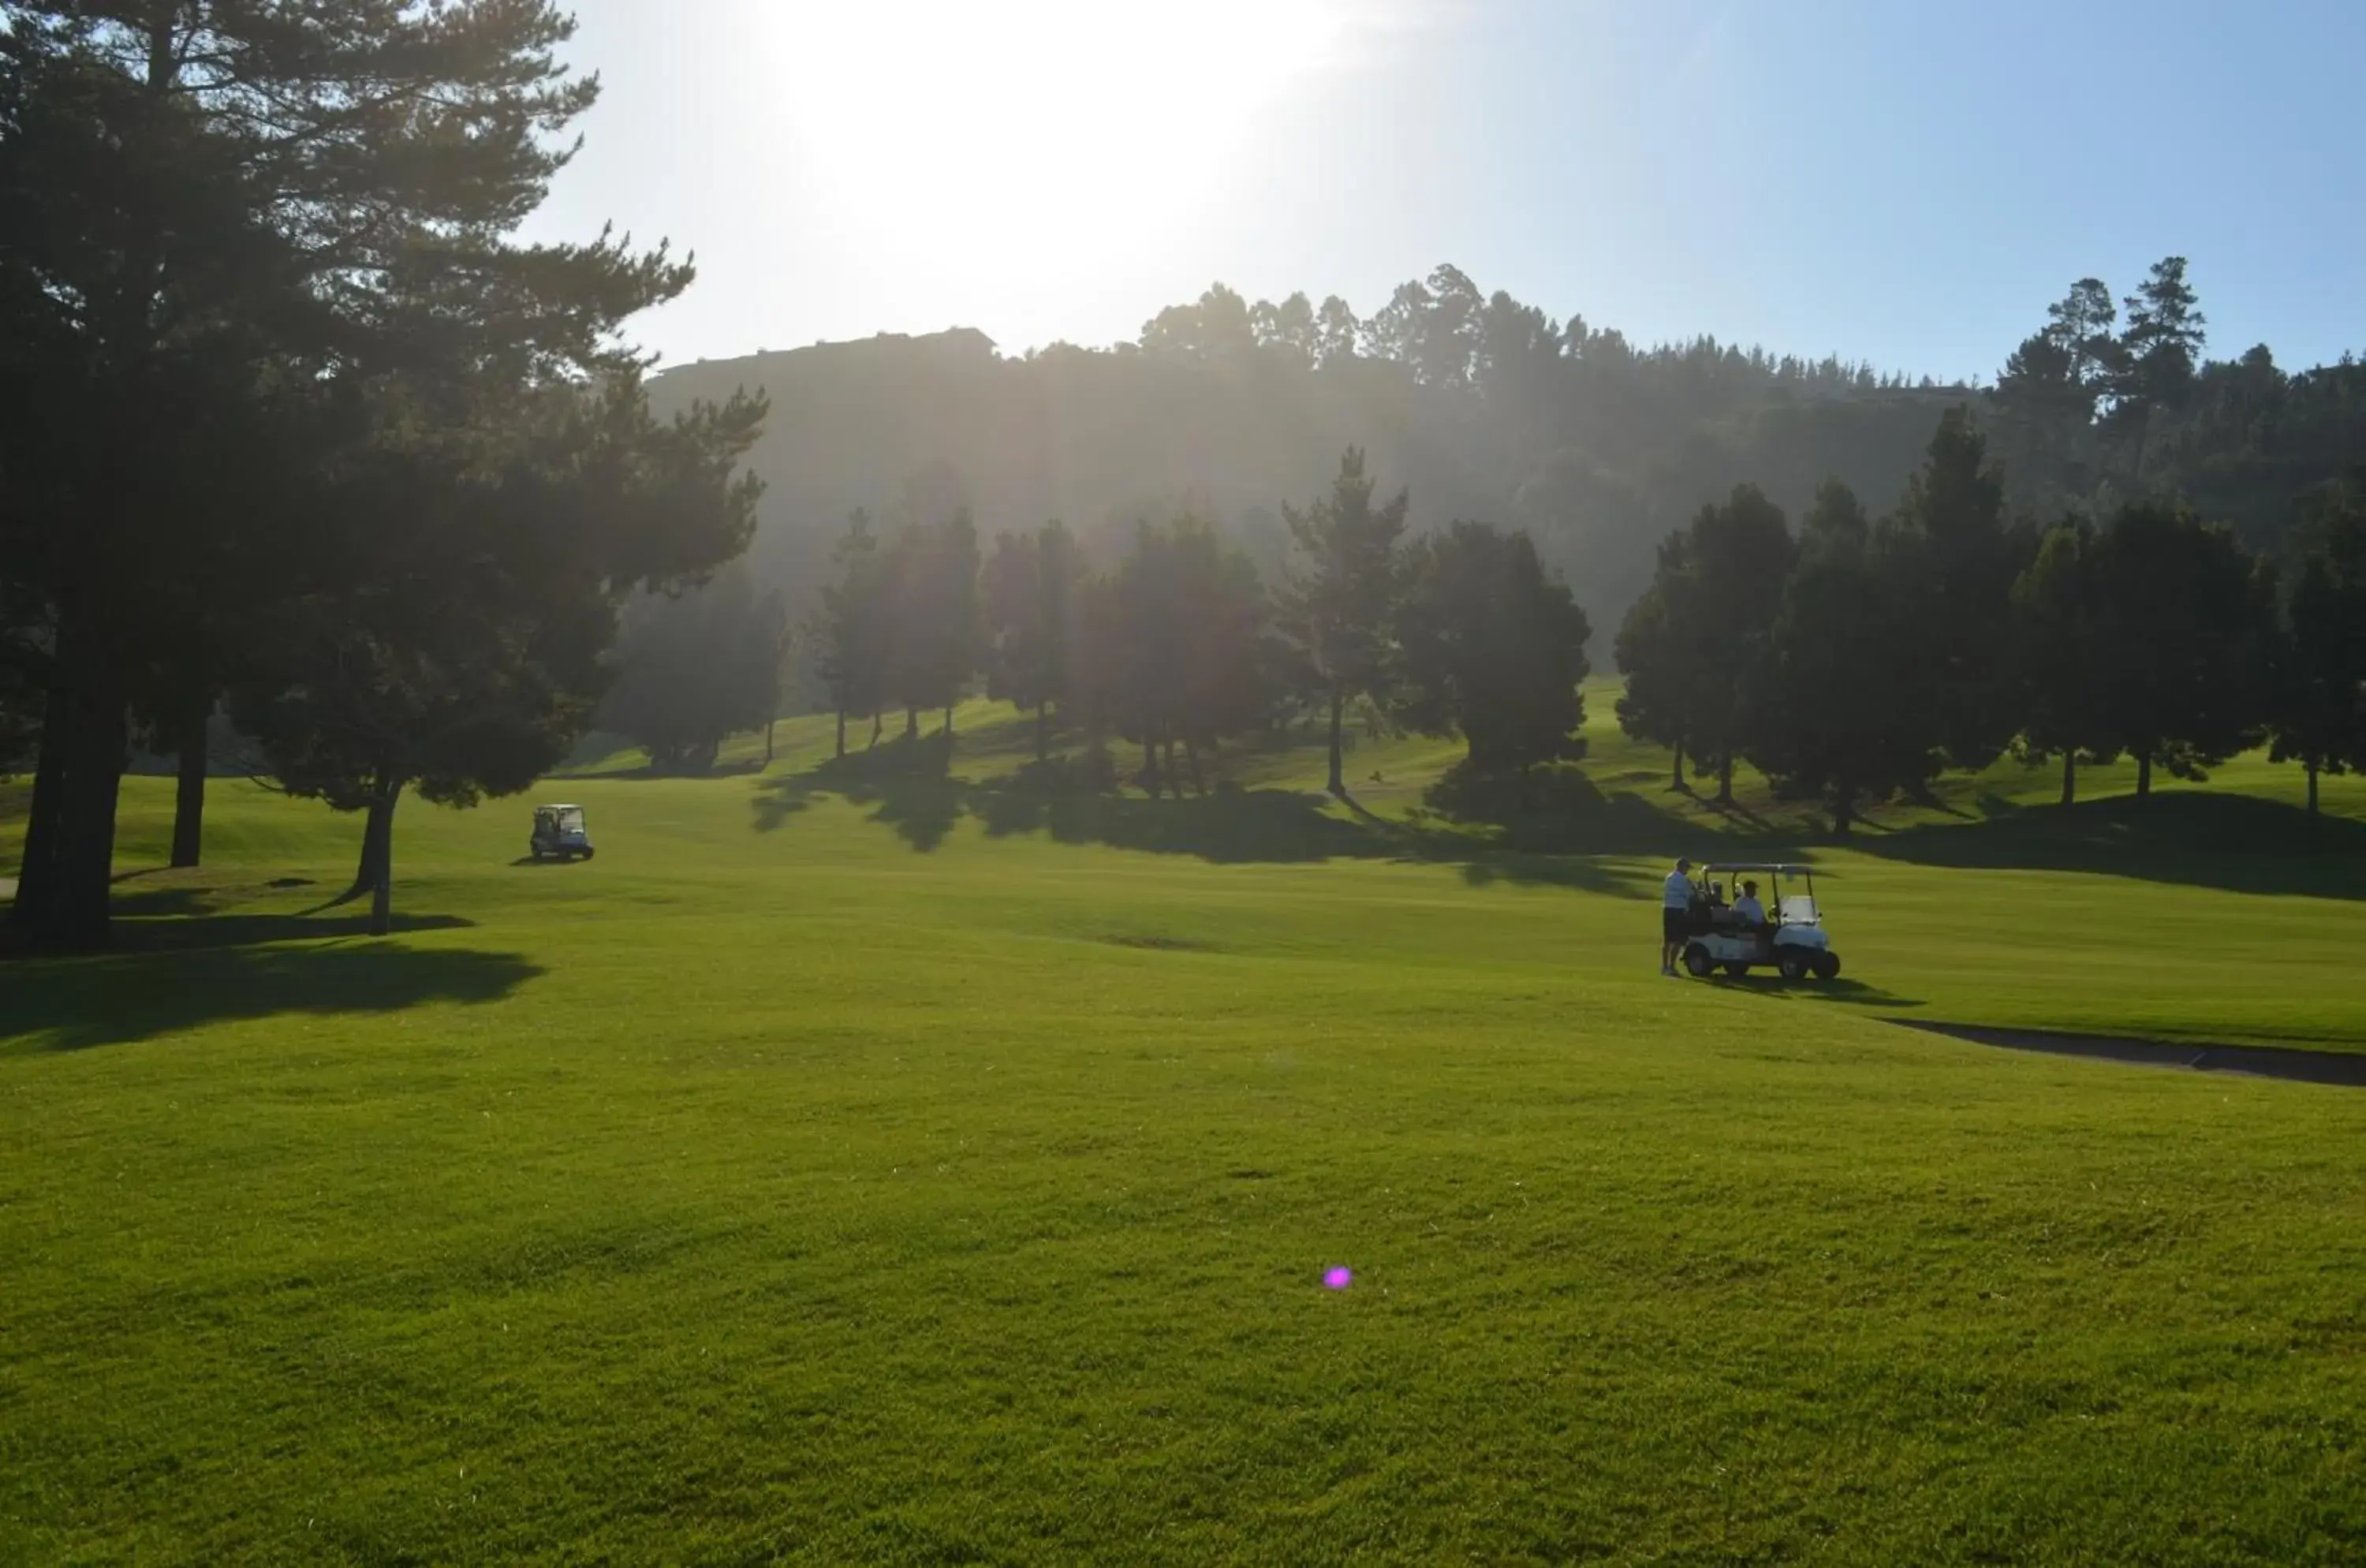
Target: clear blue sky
[[1893, 180]]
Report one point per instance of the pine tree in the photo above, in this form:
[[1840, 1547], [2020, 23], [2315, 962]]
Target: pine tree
[[223, 227], [1029, 595], [1493, 650], [2159, 350], [1693, 646], [935, 622], [1843, 715], [695, 669], [850, 634], [2057, 625], [1953, 558], [477, 654], [2186, 641], [1341, 601]]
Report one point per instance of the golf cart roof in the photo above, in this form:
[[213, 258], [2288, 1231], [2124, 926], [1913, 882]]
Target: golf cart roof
[[559, 808], [1779, 868]]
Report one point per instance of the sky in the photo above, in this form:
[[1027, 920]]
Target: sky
[[1904, 183]]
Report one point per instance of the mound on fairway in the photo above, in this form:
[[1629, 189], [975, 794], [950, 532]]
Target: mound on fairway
[[900, 1163]]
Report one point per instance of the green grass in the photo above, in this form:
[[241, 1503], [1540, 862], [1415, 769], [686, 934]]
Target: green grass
[[857, 1165]]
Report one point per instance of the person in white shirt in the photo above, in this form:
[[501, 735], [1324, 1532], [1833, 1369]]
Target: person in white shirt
[[1676, 911], [1747, 909]]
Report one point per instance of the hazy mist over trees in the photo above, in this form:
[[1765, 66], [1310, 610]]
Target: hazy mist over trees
[[1489, 409]]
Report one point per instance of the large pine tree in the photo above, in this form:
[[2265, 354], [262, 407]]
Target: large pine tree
[[230, 225]]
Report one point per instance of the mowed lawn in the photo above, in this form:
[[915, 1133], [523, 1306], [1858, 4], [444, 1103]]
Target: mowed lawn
[[855, 1166]]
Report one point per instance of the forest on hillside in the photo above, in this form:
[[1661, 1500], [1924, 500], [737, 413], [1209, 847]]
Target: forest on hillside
[[1488, 409]]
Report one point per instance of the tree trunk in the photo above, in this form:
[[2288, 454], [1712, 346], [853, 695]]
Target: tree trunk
[[768, 740], [1725, 778], [37, 880], [911, 724], [189, 795], [2144, 776], [2070, 777], [949, 718], [1844, 810], [878, 723], [1043, 731], [1338, 711], [1192, 754], [1174, 773], [376, 826], [1149, 763], [377, 873], [2312, 797], [82, 853], [1676, 778], [841, 733], [382, 896]]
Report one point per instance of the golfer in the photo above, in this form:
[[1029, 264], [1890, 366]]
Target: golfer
[[1675, 908], [1747, 909]]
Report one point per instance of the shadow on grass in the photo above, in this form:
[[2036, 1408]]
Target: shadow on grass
[[1558, 827], [2226, 842], [73, 1004], [907, 786], [740, 768], [1561, 810]]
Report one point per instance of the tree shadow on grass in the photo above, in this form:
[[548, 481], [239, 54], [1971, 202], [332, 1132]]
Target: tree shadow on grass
[[907, 787], [74, 1004], [1558, 828], [1561, 814], [2226, 842], [906, 780], [740, 768], [207, 932]]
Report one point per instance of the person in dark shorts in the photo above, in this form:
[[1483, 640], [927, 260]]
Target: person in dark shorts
[[1675, 914]]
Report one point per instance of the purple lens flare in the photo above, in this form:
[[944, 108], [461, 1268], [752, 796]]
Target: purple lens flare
[[1338, 1279]]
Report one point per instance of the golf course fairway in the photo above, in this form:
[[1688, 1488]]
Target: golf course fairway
[[894, 1161]]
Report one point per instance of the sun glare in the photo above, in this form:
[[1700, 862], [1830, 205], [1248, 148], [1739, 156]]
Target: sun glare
[[1075, 128]]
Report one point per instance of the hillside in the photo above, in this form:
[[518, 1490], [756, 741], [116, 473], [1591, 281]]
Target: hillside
[[912, 427], [1489, 410]]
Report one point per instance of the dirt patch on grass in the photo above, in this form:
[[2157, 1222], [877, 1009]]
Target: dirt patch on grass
[[2290, 1063]]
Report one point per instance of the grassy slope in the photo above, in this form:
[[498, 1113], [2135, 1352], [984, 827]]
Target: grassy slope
[[770, 1186], [2207, 914]]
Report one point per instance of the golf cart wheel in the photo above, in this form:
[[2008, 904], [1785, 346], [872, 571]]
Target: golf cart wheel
[[587, 854], [1698, 963], [533, 852], [1735, 969], [1828, 966], [1793, 965]]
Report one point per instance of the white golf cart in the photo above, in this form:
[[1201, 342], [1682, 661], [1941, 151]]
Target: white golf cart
[[559, 834], [1791, 939]]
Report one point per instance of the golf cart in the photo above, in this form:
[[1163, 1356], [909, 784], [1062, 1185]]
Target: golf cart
[[558, 833], [1791, 939]]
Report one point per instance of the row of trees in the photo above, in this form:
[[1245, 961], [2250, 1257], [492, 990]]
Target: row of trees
[[1177, 644], [1490, 406], [694, 668], [298, 426], [1860, 657]]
